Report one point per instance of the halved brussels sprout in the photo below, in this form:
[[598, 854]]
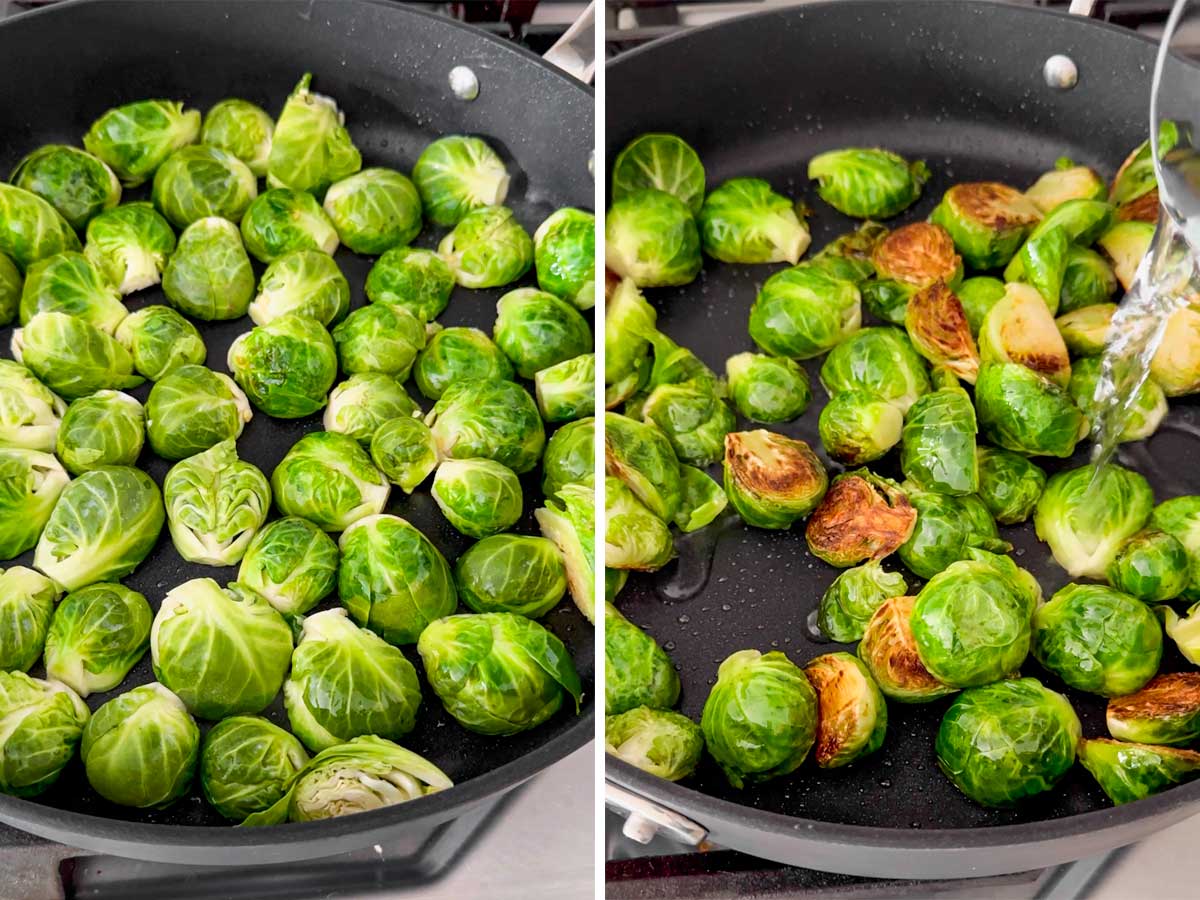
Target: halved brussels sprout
[[292, 564], [374, 210], [767, 388], [416, 280], [73, 357], [569, 519], [478, 496], [1066, 181], [772, 481], [1087, 280], [1081, 221], [30, 228], [760, 718], [628, 323], [458, 354], [1125, 243], [564, 255], [536, 330], [1151, 566], [744, 221], [1003, 742], [10, 289], [857, 427], [286, 367], [1085, 516], [70, 283], [659, 741], [405, 451], [208, 277], [566, 390], [881, 361], [851, 600], [41, 723], [637, 670], [918, 255], [247, 765], [457, 174], [937, 450], [160, 341], [862, 517], [511, 573], [1009, 484], [651, 238], [1023, 412], [1085, 330], [130, 245], [662, 162], [140, 748], [1165, 711], [848, 256], [634, 537], [487, 248], [497, 673], [851, 711], [74, 182], [199, 182], [362, 403], [802, 312], [97, 634], [282, 221], [29, 411], [1128, 772], [867, 183], [694, 420], [987, 220], [328, 479], [1135, 178], [27, 601], [701, 499], [1019, 329], [106, 429], [305, 282], [978, 295], [489, 420], [311, 147], [938, 327], [135, 139], [1176, 365], [1143, 414], [242, 129], [191, 409], [1180, 518], [946, 530], [889, 652], [569, 456]]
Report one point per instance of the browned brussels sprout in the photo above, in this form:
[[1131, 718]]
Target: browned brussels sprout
[[862, 517]]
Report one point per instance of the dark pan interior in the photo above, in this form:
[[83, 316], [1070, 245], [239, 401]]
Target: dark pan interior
[[959, 85], [386, 66]]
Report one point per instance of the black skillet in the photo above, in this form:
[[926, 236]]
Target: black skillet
[[959, 84], [387, 66]]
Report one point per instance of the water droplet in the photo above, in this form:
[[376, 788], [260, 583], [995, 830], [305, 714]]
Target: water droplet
[[813, 630], [684, 619]]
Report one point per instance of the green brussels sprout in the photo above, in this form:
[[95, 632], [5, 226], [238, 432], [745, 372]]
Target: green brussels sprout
[[1128, 772], [455, 355], [851, 711], [405, 451], [916, 256], [628, 322], [977, 296], [937, 451], [886, 300], [478, 496], [392, 579], [1124, 245], [637, 671], [10, 289], [69, 283], [988, 221], [489, 420], [41, 723], [1066, 181], [305, 282], [946, 530], [1165, 711], [200, 182], [849, 602], [662, 742], [1022, 581], [1087, 280], [282, 221], [1021, 411], [160, 341], [1143, 414], [30, 228], [328, 479], [345, 682], [938, 328], [292, 564], [744, 221], [208, 277], [374, 210], [694, 420], [857, 427], [641, 456], [247, 765], [802, 312], [564, 256], [1080, 220], [760, 718], [97, 635], [511, 573], [72, 357], [569, 520], [1180, 518], [457, 174], [487, 248], [536, 330], [416, 280], [881, 361], [634, 537], [702, 499], [1019, 329], [1176, 365], [75, 183], [311, 148], [135, 139], [379, 338], [1003, 742], [1183, 630], [566, 390], [651, 238], [674, 364], [867, 183], [32, 482], [1097, 639], [362, 403], [140, 748], [889, 652], [1085, 516], [29, 411], [663, 162], [772, 481], [767, 389], [27, 601], [241, 129], [1009, 484], [497, 673], [286, 367], [106, 429], [569, 457], [1136, 176], [1151, 566], [192, 408], [130, 244]]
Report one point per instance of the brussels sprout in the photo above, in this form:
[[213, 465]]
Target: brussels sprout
[[1085, 516], [374, 210], [946, 530], [247, 765], [1021, 411], [663, 162], [1165, 711], [105, 429], [701, 499], [160, 341], [311, 148], [457, 174], [634, 537], [304, 282], [30, 228], [1176, 365], [97, 634], [512, 573], [651, 238], [490, 420], [886, 300], [767, 388], [889, 652], [937, 451], [802, 312], [1081, 221], [918, 255], [41, 723], [866, 183], [614, 583], [1009, 484], [569, 457], [637, 670], [282, 221], [416, 280], [455, 355], [72, 357], [772, 481], [849, 602], [1136, 176], [1184, 631], [10, 289], [27, 601], [191, 409], [75, 183], [242, 129], [1021, 580], [1180, 518], [1151, 566], [1124, 244], [564, 248], [744, 221], [345, 682], [1087, 280], [328, 479], [199, 182], [569, 520], [487, 248], [1066, 181], [29, 411], [628, 322], [208, 276], [140, 748], [1003, 742], [851, 712], [286, 367], [362, 403], [69, 283], [379, 338], [881, 361], [1085, 330], [1128, 772], [662, 742], [987, 220], [1143, 414], [674, 364], [1097, 639], [566, 390], [536, 330], [693, 419], [977, 296], [404, 450], [130, 245], [292, 564], [135, 139], [862, 517], [938, 327], [849, 256], [478, 496], [1019, 329]]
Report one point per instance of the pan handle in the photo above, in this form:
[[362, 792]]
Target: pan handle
[[1082, 8], [575, 51], [645, 818]]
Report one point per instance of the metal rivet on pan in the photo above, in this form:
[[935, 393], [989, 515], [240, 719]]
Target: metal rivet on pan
[[464, 83], [1060, 72]]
